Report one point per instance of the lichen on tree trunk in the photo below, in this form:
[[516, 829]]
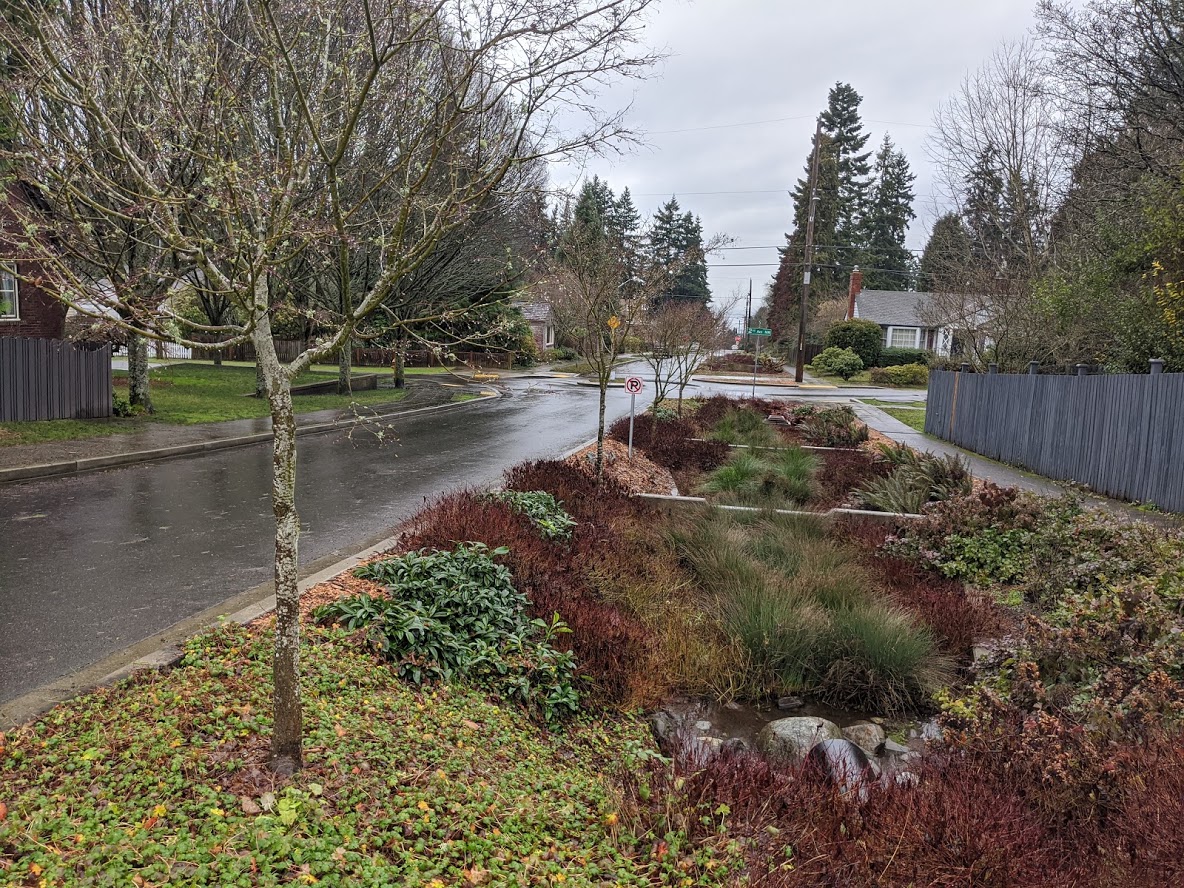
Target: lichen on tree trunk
[[286, 740], [344, 382], [600, 428], [138, 394]]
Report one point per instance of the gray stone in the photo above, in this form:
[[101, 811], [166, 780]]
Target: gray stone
[[664, 725], [866, 736], [792, 738], [844, 764], [703, 726], [790, 703], [891, 747]]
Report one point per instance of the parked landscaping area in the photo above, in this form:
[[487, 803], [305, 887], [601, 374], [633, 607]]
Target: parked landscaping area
[[186, 394], [482, 702]]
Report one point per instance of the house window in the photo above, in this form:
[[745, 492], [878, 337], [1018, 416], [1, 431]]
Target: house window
[[9, 308], [549, 336], [903, 337]]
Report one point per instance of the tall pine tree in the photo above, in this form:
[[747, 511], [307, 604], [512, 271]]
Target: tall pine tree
[[676, 238], [841, 121], [888, 264]]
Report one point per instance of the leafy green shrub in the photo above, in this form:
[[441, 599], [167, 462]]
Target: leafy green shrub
[[865, 338], [742, 362], [833, 427], [456, 615], [541, 508], [562, 353], [841, 362], [899, 492], [120, 406], [905, 374], [895, 357]]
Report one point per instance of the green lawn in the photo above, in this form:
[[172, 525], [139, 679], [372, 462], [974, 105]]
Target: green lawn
[[910, 416], [862, 379], [186, 394]]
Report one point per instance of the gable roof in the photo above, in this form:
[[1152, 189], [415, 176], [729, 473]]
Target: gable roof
[[891, 308], [536, 312]]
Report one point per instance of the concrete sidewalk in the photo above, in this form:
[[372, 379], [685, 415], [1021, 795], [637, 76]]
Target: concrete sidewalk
[[153, 441]]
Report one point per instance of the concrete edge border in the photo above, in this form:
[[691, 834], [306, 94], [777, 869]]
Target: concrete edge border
[[699, 502], [114, 460]]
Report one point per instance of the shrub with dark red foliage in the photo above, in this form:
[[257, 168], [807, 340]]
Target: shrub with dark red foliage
[[668, 443], [843, 471], [963, 824], [580, 494], [717, 407], [611, 646]]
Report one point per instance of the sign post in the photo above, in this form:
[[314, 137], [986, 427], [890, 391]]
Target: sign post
[[633, 385], [758, 332]]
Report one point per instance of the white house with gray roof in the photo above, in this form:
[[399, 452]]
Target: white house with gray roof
[[904, 316]]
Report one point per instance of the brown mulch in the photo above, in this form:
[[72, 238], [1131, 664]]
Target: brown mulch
[[343, 585], [637, 475]]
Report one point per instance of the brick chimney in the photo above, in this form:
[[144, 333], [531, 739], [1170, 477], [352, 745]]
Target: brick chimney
[[853, 290]]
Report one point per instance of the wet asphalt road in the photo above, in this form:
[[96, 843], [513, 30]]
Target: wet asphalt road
[[93, 563]]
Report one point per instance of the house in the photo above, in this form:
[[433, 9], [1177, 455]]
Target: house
[[26, 308], [906, 317], [542, 323]]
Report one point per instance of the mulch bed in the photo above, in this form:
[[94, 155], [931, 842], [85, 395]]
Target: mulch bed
[[637, 475]]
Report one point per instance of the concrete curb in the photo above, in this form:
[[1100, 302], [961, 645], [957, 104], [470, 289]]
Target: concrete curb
[[95, 463], [698, 502]]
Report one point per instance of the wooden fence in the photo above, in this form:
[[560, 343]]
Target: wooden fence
[[1121, 435], [51, 379]]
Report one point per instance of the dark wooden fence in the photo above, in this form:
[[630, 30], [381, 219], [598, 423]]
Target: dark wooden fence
[[51, 379], [1121, 435]]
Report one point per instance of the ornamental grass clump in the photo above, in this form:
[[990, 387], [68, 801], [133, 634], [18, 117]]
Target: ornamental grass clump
[[457, 616], [916, 480], [744, 426], [773, 479], [830, 426], [803, 610]]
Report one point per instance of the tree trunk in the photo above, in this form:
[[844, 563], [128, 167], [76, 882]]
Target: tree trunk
[[260, 379], [600, 429], [344, 383], [217, 357], [286, 739], [137, 372], [400, 375]]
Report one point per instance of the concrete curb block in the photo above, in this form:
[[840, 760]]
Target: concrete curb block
[[698, 502], [114, 460]]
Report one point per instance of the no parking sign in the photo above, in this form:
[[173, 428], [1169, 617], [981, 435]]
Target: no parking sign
[[633, 385]]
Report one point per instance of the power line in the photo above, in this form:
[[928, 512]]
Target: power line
[[700, 193], [720, 126]]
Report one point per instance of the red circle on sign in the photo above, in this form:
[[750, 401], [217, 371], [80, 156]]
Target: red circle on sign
[[633, 385]]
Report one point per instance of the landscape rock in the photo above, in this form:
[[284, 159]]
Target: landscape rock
[[891, 747], [703, 725], [792, 738], [844, 764], [790, 703], [866, 736]]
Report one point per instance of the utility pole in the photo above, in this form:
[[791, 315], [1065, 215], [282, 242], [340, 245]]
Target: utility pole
[[748, 313], [808, 259]]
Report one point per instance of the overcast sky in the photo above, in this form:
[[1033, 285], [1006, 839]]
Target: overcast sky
[[770, 64]]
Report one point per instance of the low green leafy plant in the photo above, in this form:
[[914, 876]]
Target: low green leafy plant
[[903, 374], [833, 427], [546, 512], [841, 362], [456, 615]]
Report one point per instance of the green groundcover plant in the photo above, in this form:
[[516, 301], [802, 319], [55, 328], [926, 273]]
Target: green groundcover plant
[[456, 615], [546, 512]]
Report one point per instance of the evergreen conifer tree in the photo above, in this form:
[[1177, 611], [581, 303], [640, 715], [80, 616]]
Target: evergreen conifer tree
[[841, 121], [887, 264]]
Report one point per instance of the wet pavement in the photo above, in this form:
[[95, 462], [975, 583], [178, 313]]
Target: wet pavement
[[93, 563]]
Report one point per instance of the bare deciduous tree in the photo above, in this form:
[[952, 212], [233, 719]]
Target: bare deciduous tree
[[266, 126]]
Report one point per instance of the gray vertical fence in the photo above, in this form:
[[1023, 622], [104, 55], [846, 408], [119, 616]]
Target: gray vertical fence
[[50, 379], [1121, 435]]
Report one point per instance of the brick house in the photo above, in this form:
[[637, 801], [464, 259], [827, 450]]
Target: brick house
[[26, 308], [542, 323]]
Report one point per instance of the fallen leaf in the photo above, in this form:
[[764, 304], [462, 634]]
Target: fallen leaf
[[249, 805], [471, 724], [3, 812]]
